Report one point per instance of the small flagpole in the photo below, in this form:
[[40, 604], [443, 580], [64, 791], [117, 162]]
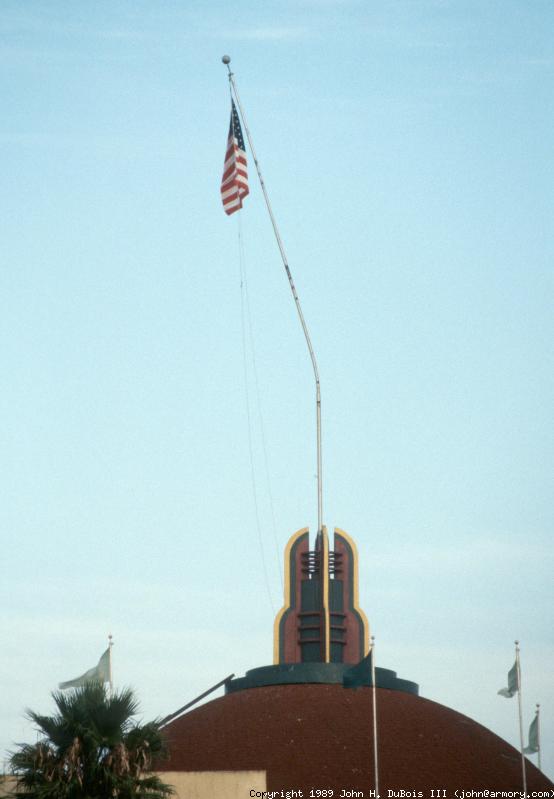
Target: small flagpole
[[538, 715], [518, 668], [226, 60], [374, 704], [110, 644]]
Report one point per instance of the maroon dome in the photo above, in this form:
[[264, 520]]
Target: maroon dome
[[319, 736]]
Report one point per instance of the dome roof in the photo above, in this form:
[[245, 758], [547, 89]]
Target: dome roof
[[319, 736]]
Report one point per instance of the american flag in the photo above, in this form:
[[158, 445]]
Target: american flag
[[234, 183]]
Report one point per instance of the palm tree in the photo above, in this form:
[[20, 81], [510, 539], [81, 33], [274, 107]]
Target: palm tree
[[91, 749]]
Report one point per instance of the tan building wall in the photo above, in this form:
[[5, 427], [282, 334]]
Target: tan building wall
[[215, 784], [197, 784], [7, 784]]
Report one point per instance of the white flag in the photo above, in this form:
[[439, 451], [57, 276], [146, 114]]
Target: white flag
[[99, 673], [513, 683], [533, 745]]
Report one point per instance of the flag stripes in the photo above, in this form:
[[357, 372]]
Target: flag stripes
[[234, 183]]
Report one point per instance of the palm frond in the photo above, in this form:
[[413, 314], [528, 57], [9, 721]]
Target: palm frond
[[91, 749]]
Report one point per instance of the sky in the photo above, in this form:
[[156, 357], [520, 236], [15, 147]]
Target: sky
[[157, 412]]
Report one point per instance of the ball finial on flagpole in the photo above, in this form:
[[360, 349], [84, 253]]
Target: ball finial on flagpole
[[226, 59]]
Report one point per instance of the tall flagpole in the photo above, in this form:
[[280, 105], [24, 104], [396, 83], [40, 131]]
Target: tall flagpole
[[226, 60], [374, 703], [518, 669], [538, 715], [110, 674]]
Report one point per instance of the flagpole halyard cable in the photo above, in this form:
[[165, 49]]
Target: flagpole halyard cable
[[226, 60], [242, 277], [244, 291]]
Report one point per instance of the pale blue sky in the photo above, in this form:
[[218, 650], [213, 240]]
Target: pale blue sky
[[407, 148]]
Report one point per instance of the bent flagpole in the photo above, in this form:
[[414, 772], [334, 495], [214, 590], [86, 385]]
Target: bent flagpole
[[320, 529]]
